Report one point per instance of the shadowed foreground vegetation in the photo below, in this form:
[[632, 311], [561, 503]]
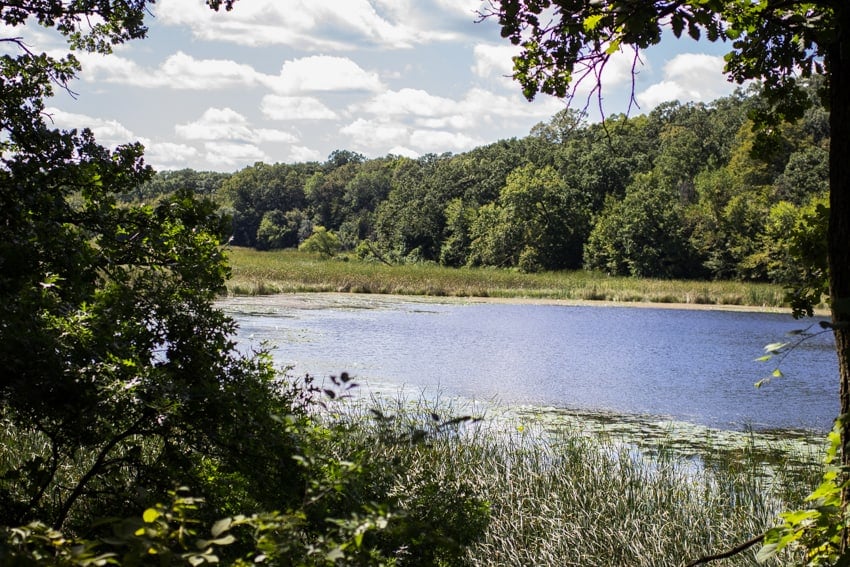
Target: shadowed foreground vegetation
[[284, 271], [422, 483]]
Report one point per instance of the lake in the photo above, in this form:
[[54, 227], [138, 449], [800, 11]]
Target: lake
[[695, 366]]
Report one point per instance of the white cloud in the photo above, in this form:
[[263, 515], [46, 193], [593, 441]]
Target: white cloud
[[414, 102], [216, 124], [279, 107], [455, 122], [468, 8], [440, 112], [300, 154], [494, 60], [615, 72], [106, 132], [178, 71], [316, 73], [322, 73], [227, 124], [168, 155], [332, 25], [373, 135], [439, 141], [230, 155], [486, 105], [688, 77], [403, 151], [277, 136]]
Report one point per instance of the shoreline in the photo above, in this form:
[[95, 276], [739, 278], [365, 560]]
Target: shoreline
[[322, 299]]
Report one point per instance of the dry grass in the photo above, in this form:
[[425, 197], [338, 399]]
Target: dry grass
[[288, 271]]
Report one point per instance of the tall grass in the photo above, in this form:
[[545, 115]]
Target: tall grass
[[260, 273], [570, 498]]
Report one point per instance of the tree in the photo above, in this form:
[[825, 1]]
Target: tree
[[260, 188], [781, 44], [322, 242], [642, 235], [537, 223], [120, 377]]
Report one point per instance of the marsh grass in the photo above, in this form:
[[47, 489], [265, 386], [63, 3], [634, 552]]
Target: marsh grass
[[288, 271], [569, 497]]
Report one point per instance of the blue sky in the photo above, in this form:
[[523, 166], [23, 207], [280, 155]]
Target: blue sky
[[294, 80]]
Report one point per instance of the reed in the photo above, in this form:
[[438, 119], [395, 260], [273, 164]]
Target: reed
[[574, 498], [288, 271]]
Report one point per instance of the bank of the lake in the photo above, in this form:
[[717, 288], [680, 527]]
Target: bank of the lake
[[288, 271]]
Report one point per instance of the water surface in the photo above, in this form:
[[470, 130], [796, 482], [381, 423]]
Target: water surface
[[685, 365]]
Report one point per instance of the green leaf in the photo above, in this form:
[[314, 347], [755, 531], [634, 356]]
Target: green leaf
[[221, 526], [766, 552], [693, 31], [226, 540], [677, 22], [150, 515], [613, 48], [591, 22]]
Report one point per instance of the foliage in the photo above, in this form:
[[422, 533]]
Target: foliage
[[171, 535], [322, 242], [819, 528], [122, 379], [642, 235], [784, 45], [537, 223]]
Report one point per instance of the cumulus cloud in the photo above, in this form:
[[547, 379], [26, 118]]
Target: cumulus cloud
[[279, 107], [227, 124], [435, 111], [229, 155], [178, 71], [409, 102], [316, 73], [463, 7], [438, 141], [168, 155], [305, 24], [216, 124], [493, 60], [323, 73], [413, 120], [106, 132], [372, 136], [375, 134], [403, 151], [300, 154], [688, 77]]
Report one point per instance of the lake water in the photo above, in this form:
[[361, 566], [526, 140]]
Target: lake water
[[685, 365]]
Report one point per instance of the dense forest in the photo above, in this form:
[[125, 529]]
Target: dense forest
[[685, 191]]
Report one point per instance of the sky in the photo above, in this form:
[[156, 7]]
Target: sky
[[293, 80]]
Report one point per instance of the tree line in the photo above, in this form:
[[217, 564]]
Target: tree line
[[684, 191]]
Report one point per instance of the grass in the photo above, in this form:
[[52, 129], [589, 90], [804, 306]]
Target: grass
[[289, 271], [576, 498]]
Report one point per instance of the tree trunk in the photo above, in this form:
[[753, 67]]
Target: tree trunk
[[838, 61]]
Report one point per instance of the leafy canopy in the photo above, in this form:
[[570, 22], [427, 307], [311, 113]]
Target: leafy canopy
[[567, 41]]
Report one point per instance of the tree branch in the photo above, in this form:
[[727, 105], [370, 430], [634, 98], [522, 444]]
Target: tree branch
[[729, 553]]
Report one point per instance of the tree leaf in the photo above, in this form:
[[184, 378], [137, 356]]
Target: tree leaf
[[591, 22], [221, 526]]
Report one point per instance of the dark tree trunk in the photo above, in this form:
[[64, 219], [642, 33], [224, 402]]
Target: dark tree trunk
[[838, 61]]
